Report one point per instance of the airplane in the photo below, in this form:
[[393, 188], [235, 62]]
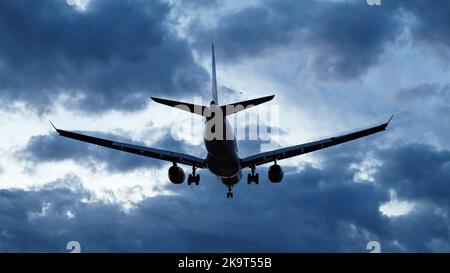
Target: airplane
[[222, 158]]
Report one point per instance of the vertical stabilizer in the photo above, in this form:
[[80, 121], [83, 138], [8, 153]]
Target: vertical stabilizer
[[214, 81]]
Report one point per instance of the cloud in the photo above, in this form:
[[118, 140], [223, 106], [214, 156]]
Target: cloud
[[431, 23], [199, 3], [424, 113], [112, 55], [417, 172], [425, 229], [437, 93], [419, 92], [311, 210], [343, 39]]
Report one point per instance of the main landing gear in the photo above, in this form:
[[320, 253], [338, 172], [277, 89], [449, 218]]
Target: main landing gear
[[229, 193], [193, 178], [252, 177]]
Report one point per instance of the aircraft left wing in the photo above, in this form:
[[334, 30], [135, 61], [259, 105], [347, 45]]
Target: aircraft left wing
[[135, 149], [292, 151]]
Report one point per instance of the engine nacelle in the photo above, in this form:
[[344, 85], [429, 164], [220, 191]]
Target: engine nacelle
[[275, 173], [176, 175]]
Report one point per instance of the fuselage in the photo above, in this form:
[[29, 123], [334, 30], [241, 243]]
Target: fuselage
[[222, 159]]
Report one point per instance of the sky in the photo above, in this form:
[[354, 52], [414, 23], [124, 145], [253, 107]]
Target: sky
[[333, 66]]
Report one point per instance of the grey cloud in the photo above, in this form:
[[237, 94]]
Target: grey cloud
[[192, 221], [432, 22], [425, 229], [422, 91], [424, 113], [417, 172], [425, 91], [200, 3], [312, 210], [111, 56], [344, 38]]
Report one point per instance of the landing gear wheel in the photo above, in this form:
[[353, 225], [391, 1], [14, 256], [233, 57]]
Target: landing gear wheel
[[229, 193], [193, 178], [197, 179], [253, 177]]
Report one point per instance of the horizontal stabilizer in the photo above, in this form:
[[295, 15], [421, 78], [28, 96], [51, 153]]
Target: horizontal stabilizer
[[189, 107], [226, 109], [243, 105]]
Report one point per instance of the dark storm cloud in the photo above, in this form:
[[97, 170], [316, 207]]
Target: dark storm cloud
[[53, 148], [424, 112], [432, 21], [114, 55], [304, 212], [343, 38], [419, 92], [425, 229], [417, 172], [425, 91], [312, 210], [199, 3]]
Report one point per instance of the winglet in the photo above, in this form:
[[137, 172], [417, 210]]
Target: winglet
[[53, 125], [387, 123]]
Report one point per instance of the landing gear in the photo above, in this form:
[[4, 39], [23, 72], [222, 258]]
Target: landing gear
[[193, 178], [229, 193], [252, 177]]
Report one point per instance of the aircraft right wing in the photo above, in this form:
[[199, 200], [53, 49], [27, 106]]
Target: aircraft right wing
[[292, 151]]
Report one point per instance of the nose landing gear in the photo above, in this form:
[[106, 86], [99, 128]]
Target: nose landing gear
[[229, 193]]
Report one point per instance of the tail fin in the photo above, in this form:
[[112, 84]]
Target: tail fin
[[226, 109], [214, 81]]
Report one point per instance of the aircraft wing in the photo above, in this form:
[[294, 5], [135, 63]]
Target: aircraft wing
[[292, 151], [135, 149]]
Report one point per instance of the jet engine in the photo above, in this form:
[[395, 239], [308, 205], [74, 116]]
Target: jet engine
[[275, 173], [176, 175]]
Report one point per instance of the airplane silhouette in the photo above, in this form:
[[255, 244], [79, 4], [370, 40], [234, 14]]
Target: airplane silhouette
[[222, 159]]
